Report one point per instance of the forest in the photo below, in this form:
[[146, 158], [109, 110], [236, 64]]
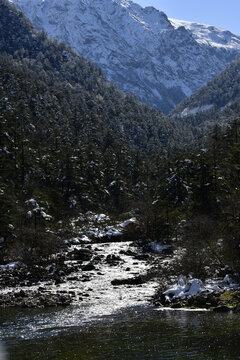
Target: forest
[[71, 142]]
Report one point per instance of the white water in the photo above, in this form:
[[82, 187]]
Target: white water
[[95, 298]]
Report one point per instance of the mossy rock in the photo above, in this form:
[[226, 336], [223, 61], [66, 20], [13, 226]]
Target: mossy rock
[[230, 297]]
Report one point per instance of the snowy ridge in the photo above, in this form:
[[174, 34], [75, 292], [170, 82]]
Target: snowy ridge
[[209, 35], [139, 49]]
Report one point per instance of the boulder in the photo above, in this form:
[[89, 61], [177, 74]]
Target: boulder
[[88, 267], [222, 309], [113, 259], [128, 252], [81, 254], [130, 281], [176, 306]]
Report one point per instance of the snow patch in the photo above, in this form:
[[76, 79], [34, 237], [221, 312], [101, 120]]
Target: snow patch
[[127, 222], [184, 288], [13, 266], [190, 287], [98, 226], [157, 247], [194, 111]]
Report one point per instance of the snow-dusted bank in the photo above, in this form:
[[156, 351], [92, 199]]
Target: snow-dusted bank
[[191, 287], [216, 294]]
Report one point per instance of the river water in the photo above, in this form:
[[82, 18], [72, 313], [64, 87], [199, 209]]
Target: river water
[[116, 323], [137, 333]]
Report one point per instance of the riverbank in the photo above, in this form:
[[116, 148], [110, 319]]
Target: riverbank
[[218, 295]]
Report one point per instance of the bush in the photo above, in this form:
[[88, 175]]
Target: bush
[[200, 236]]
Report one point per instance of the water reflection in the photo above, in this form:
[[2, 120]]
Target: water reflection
[[138, 334], [3, 353]]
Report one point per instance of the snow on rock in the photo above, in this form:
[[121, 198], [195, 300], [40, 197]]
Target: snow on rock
[[184, 288], [12, 266], [127, 222], [190, 287], [85, 239], [32, 202], [45, 215], [29, 214], [100, 217], [98, 226], [75, 241], [160, 60], [157, 247]]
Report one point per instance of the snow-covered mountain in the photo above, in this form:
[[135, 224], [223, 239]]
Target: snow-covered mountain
[[160, 60], [210, 35]]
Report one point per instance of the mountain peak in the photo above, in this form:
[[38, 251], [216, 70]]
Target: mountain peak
[[209, 35], [160, 60]]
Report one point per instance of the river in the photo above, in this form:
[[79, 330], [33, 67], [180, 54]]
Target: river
[[137, 333], [116, 323]]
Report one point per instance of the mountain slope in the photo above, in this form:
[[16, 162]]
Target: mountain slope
[[217, 102], [92, 96], [69, 140], [139, 49]]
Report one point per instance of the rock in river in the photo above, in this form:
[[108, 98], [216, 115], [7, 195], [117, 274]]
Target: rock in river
[[130, 281]]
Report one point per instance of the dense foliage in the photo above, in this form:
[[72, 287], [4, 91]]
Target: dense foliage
[[196, 202]]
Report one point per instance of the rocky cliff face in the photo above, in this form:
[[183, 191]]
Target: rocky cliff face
[[161, 61]]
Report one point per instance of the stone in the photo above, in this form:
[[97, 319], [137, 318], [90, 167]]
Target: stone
[[142, 257], [130, 281], [82, 254], [88, 267], [222, 309], [176, 306], [72, 278], [113, 259]]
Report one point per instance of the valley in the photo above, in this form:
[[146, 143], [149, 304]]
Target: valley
[[161, 61], [117, 216]]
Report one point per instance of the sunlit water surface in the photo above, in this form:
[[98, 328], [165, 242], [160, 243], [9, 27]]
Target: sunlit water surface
[[116, 323], [136, 333]]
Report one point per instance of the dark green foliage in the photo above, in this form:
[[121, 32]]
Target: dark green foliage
[[197, 196]]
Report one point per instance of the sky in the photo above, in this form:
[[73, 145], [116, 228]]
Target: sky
[[220, 13]]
